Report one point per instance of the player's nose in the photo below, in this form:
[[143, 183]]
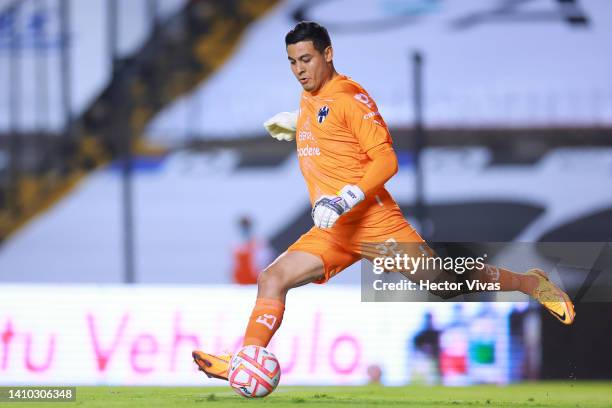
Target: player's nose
[[301, 68]]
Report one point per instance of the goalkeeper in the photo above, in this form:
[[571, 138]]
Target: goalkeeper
[[346, 156]]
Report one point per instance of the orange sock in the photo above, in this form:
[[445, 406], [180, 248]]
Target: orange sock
[[508, 280], [265, 320]]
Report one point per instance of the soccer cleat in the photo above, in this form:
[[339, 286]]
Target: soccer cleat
[[552, 298], [213, 366]]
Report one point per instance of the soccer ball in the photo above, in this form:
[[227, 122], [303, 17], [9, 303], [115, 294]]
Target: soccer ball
[[254, 372]]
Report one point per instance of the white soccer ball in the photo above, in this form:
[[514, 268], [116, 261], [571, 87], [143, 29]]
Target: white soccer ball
[[254, 372]]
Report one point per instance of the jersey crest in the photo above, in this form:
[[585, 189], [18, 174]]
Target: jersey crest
[[322, 115]]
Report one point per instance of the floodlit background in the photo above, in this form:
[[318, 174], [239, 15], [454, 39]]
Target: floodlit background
[[140, 195]]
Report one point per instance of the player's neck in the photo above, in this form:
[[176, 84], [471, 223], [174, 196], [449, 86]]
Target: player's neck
[[334, 75]]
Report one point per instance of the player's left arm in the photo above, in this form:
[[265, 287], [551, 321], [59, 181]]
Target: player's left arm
[[364, 121], [382, 167]]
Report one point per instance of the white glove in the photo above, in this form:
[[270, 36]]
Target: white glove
[[282, 125], [328, 209]]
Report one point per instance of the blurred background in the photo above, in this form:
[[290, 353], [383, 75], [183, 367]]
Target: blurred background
[[131, 133]]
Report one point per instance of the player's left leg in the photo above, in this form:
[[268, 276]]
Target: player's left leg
[[534, 282]]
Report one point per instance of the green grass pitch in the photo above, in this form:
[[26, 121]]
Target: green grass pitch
[[540, 394]]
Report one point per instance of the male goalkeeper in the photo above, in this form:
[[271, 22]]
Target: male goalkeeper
[[345, 154]]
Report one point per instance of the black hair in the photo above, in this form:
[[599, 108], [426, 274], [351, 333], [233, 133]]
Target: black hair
[[309, 31]]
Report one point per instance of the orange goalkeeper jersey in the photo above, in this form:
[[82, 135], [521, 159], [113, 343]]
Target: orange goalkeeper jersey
[[336, 128]]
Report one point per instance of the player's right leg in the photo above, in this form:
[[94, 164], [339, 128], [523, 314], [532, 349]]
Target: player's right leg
[[313, 258], [290, 270]]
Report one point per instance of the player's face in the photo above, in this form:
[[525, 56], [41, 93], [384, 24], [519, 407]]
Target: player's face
[[311, 68]]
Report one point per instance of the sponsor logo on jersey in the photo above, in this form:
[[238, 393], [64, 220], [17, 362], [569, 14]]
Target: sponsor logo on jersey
[[363, 98], [322, 115], [370, 115], [304, 135], [308, 151]]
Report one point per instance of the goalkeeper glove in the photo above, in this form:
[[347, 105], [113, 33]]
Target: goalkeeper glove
[[282, 125], [328, 209]]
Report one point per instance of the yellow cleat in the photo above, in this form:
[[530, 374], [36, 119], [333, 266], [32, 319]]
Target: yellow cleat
[[552, 298], [213, 366]]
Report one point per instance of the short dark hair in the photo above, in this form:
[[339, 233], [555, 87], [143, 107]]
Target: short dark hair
[[309, 31]]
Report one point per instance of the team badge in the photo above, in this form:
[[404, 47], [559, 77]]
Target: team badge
[[323, 112]]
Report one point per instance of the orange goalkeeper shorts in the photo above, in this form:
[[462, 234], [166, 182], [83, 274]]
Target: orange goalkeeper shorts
[[342, 245]]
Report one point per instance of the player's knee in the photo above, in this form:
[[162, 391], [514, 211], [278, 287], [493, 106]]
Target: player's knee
[[272, 279]]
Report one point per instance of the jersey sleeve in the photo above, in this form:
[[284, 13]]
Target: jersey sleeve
[[363, 119]]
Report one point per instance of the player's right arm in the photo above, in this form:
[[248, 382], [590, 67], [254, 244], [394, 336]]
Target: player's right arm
[[282, 125]]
